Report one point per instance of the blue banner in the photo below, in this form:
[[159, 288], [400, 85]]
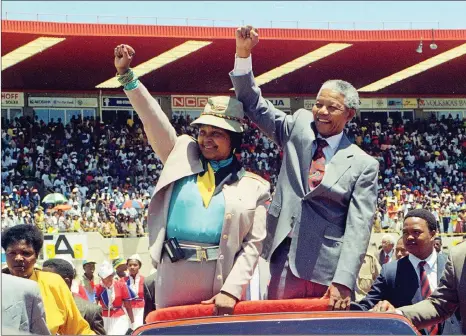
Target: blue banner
[[120, 102], [395, 103], [115, 102]]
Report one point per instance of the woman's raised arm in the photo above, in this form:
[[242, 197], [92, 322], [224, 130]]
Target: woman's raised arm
[[160, 132]]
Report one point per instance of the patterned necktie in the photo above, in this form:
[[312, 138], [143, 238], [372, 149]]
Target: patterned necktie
[[385, 260], [425, 292], [317, 170]]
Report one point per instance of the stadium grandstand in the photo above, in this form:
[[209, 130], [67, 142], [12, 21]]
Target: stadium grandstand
[[69, 132]]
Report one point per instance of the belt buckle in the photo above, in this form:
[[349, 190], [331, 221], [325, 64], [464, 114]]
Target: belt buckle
[[201, 254]]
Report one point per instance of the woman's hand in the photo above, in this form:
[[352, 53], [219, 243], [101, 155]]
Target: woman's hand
[[224, 303], [123, 57]]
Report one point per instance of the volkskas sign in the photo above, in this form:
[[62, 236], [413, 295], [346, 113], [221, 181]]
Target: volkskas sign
[[442, 103]]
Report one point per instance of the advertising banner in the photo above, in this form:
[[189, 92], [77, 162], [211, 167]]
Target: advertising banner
[[442, 103], [309, 103], [51, 102], [379, 103], [189, 102], [12, 99], [395, 103], [73, 245], [280, 103], [365, 103], [410, 103]]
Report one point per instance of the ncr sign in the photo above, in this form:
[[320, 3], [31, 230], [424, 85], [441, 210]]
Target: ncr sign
[[189, 102], [12, 99]]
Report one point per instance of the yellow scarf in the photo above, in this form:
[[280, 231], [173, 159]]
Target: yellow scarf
[[206, 185]]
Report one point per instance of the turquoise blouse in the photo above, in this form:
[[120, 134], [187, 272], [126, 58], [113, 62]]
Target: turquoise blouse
[[188, 219]]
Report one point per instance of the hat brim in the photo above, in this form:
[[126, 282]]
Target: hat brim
[[226, 124], [106, 273]]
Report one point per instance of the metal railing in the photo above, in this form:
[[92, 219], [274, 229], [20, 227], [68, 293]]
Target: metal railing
[[165, 21]]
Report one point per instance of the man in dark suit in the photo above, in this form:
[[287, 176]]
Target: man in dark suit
[[149, 294], [319, 221], [412, 278], [92, 313]]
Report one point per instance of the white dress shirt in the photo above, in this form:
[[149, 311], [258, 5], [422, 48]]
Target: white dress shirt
[[430, 268]]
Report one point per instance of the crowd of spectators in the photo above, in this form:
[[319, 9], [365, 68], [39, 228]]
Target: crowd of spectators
[[98, 167]]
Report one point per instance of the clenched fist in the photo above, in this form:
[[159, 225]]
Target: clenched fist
[[123, 57], [246, 38]]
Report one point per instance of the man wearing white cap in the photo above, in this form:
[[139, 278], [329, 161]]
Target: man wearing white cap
[[135, 283], [112, 296]]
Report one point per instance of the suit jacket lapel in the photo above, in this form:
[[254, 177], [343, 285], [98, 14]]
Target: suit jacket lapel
[[183, 161], [308, 135]]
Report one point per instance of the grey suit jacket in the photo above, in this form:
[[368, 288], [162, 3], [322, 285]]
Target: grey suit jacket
[[449, 295], [22, 307], [92, 313], [331, 224]]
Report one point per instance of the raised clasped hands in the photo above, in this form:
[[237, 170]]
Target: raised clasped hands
[[123, 56], [246, 38]]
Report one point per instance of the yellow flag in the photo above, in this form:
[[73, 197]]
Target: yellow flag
[[113, 251], [78, 251], [50, 250], [206, 185]]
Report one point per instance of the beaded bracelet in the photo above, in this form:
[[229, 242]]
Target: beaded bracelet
[[131, 85], [127, 77]]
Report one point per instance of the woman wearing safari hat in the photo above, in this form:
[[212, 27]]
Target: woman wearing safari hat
[[207, 215]]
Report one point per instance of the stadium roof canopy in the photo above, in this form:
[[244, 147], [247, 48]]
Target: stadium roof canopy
[[47, 56]]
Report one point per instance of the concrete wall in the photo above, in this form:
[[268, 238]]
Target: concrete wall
[[99, 248]]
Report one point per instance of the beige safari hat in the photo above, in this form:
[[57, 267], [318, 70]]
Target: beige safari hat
[[223, 112]]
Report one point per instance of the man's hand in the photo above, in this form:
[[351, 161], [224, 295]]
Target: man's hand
[[246, 38], [339, 295], [224, 303], [383, 307], [123, 57]]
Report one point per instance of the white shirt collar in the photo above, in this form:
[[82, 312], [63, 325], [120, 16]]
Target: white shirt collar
[[332, 141], [430, 260]]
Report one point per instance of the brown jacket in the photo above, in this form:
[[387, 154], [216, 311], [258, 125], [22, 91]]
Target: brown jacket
[[449, 295], [245, 212]]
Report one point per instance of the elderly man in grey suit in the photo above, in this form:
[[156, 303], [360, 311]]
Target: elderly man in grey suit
[[22, 307], [320, 219]]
